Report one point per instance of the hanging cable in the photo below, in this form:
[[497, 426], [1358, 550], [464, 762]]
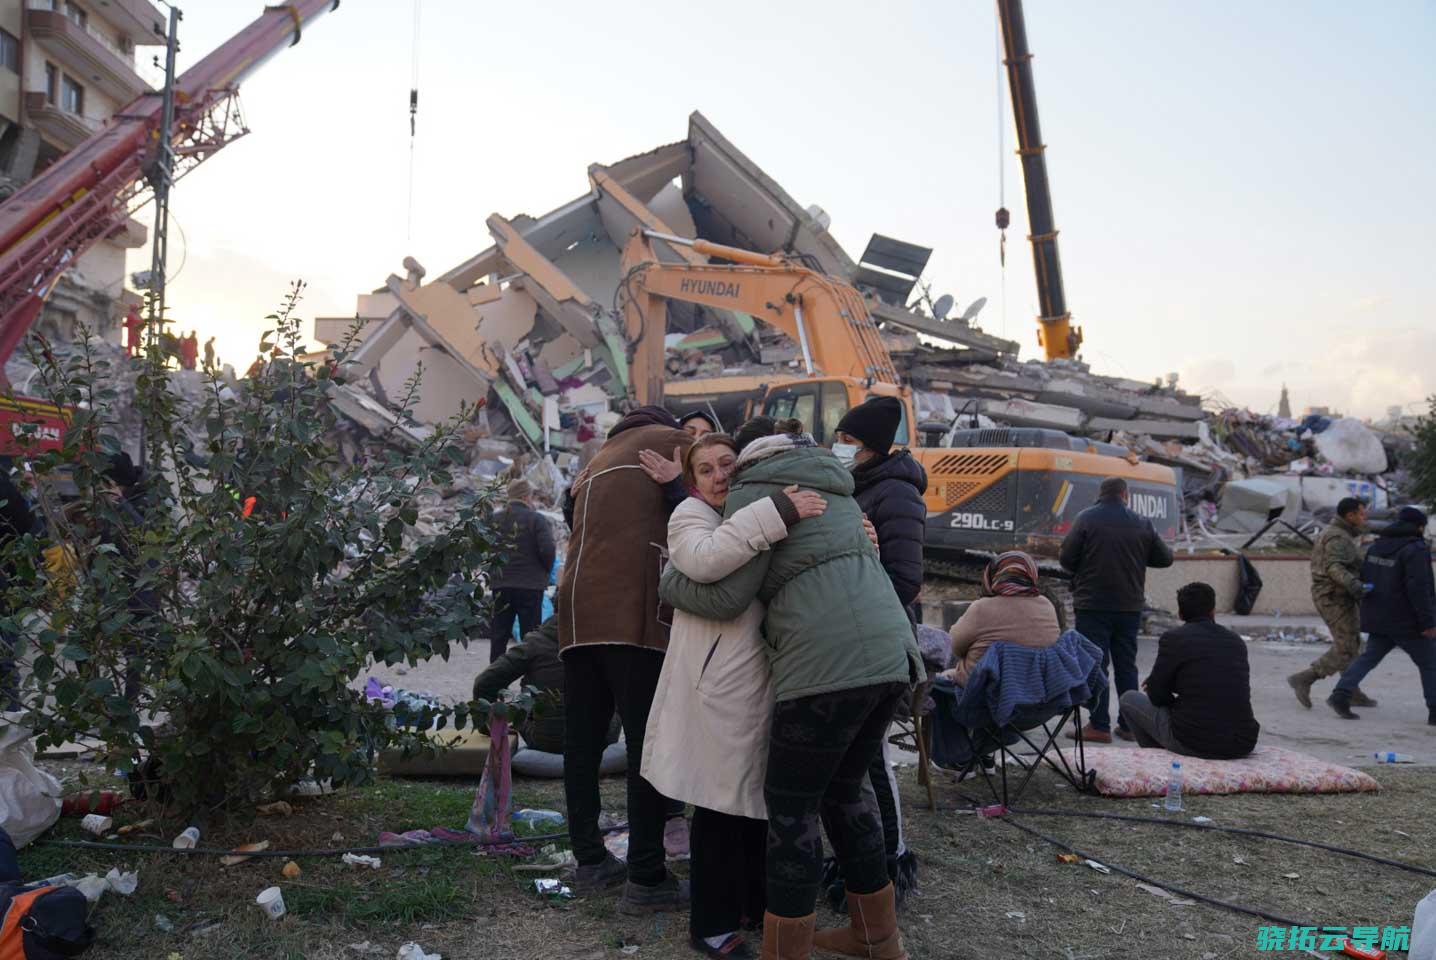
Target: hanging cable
[[413, 112], [1003, 217]]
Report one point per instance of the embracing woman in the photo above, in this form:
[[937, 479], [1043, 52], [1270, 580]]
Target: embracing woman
[[707, 737]]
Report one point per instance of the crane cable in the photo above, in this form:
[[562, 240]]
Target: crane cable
[[413, 113], [1002, 215]]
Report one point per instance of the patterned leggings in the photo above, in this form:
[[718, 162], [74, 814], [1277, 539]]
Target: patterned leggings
[[818, 760]]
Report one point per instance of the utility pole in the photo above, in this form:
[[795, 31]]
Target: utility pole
[[161, 177]]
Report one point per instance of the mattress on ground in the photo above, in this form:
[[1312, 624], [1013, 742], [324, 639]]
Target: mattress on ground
[[1129, 772], [468, 752]]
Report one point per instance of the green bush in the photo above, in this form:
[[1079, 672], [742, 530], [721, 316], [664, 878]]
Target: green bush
[[240, 638]]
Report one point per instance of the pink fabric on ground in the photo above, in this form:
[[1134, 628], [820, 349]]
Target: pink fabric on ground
[[1125, 772]]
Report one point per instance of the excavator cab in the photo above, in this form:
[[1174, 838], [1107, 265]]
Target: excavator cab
[[821, 402]]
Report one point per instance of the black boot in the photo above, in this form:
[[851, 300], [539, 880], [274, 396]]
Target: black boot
[[1340, 701]]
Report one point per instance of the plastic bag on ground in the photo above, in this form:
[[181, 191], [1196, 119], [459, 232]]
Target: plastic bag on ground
[[29, 797]]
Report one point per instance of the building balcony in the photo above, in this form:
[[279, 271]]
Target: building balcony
[[141, 20], [64, 129], [89, 59]]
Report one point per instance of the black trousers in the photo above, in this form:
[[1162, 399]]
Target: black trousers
[[525, 606], [597, 680], [818, 761], [728, 854]]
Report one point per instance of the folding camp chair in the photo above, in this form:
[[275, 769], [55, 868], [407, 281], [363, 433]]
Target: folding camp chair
[[1017, 696]]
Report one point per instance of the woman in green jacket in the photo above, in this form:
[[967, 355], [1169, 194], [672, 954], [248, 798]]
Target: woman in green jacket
[[843, 655]]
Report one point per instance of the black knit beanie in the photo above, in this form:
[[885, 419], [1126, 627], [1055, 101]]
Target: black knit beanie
[[755, 429], [874, 421]]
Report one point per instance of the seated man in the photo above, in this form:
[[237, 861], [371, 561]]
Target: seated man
[[1198, 699], [534, 662]]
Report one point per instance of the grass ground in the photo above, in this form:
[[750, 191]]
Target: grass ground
[[988, 889]]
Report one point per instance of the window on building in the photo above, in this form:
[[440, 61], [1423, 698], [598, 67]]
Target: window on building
[[76, 13], [52, 83], [9, 52], [72, 96]]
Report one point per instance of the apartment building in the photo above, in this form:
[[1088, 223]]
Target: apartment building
[[66, 66]]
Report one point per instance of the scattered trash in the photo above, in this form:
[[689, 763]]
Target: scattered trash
[[1097, 866], [1239, 861], [1291, 876], [1394, 757], [1017, 915], [995, 810], [364, 946], [550, 858], [164, 924], [629, 950], [80, 804], [549, 887], [279, 808], [208, 929], [92, 887], [309, 787], [130, 828], [271, 901], [1166, 895], [535, 818], [617, 844], [1068, 858], [187, 840], [122, 883], [238, 855], [1203, 820], [337, 837], [359, 860], [1402, 833], [291, 871], [96, 824], [412, 951]]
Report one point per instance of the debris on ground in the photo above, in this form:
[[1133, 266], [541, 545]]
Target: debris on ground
[[360, 860], [239, 853]]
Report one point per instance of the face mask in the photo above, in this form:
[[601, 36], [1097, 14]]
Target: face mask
[[847, 453]]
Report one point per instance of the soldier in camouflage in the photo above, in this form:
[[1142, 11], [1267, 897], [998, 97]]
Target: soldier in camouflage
[[1336, 589]]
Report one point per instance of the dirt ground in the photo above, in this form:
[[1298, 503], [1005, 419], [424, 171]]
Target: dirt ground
[[987, 888]]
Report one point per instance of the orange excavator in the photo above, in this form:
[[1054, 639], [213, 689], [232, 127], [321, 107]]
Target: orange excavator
[[988, 490]]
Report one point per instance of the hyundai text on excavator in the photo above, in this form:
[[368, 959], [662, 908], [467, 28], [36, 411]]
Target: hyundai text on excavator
[[988, 490]]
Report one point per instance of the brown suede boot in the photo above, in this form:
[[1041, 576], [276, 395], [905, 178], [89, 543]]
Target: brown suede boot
[[872, 931], [788, 938]]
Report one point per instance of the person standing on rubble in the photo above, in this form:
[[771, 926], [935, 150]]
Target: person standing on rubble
[[613, 633], [209, 354], [1108, 552], [527, 565], [1398, 609], [889, 489], [1336, 590]]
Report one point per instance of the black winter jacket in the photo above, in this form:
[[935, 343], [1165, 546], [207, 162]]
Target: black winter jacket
[[1108, 552], [890, 492], [1403, 602], [1203, 676], [529, 552]]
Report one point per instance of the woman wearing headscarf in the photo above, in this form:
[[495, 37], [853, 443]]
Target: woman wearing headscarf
[[1010, 610]]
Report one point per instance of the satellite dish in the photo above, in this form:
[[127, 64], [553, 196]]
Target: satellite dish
[[943, 307], [974, 308]]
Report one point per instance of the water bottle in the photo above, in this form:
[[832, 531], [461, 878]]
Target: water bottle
[[1173, 803], [1393, 758]]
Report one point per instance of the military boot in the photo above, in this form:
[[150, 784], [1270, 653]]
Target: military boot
[[1340, 701], [1359, 699], [1301, 685]]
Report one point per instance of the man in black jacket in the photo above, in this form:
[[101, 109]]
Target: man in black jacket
[[1108, 552], [1399, 610], [519, 584], [1198, 699], [889, 487]]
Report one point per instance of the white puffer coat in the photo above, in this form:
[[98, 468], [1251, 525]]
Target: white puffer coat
[[707, 737]]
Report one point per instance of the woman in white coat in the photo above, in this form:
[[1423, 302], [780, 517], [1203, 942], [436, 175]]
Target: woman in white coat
[[707, 736]]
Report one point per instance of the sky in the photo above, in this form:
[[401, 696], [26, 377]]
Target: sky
[[1243, 190]]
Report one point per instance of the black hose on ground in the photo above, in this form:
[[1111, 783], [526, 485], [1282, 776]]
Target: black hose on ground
[[1118, 868], [1240, 831], [304, 854]]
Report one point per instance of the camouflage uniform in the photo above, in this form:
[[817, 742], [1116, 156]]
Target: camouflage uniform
[[1336, 589]]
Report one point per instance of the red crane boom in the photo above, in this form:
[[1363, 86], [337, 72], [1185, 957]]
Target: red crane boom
[[88, 193]]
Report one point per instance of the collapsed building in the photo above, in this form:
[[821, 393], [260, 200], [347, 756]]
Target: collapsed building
[[526, 337]]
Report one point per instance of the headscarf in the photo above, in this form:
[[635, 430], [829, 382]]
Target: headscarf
[[1011, 574]]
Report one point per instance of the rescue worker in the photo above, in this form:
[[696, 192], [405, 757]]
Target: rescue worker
[[1336, 590]]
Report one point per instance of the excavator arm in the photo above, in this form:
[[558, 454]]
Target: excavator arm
[[825, 316]]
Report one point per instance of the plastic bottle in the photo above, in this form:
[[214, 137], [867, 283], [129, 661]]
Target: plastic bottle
[[1173, 803], [1393, 758]]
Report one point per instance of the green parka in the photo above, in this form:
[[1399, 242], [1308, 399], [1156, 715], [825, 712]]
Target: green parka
[[833, 621]]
